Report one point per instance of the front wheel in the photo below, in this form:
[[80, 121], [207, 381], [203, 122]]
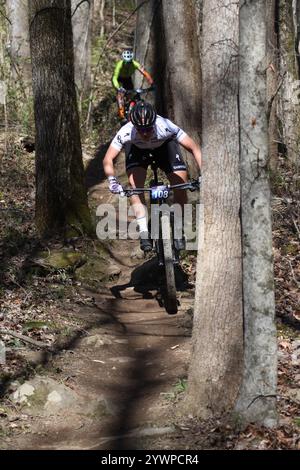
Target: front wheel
[[171, 298]]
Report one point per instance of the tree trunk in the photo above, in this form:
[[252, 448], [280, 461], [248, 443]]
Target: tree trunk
[[149, 49], [183, 78], [17, 12], [82, 34], [98, 17], [216, 366], [143, 45], [61, 201], [289, 104], [272, 81], [257, 399]]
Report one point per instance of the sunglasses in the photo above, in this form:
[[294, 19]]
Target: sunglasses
[[145, 130]]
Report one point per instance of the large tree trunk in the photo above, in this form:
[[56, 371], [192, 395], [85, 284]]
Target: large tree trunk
[[183, 77], [216, 364], [82, 34], [17, 12], [257, 399], [61, 201], [289, 104]]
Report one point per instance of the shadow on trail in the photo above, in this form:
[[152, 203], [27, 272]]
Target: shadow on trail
[[101, 319], [94, 173], [124, 432], [150, 277]]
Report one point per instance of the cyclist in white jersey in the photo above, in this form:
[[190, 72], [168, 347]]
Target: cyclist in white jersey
[[150, 136]]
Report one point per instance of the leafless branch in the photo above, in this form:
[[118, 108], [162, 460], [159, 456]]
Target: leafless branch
[[271, 100], [102, 53], [293, 273], [26, 339], [119, 27], [42, 10], [80, 3], [296, 227], [4, 16], [259, 397]]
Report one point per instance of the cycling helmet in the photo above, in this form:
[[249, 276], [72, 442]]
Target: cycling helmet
[[143, 115], [127, 56]]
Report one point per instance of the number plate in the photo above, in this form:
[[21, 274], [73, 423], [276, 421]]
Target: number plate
[[160, 192]]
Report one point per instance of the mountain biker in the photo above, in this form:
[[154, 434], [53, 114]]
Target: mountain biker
[[122, 80], [149, 135]]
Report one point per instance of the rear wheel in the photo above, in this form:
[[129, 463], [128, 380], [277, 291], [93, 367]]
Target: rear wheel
[[170, 298]]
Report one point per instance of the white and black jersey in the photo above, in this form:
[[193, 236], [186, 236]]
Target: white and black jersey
[[163, 130]]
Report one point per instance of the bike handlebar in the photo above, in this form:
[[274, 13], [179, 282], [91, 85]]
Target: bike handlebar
[[140, 91], [192, 186]]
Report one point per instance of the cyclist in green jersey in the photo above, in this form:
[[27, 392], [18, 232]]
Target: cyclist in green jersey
[[122, 80]]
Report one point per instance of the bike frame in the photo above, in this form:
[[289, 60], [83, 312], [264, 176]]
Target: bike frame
[[192, 186], [135, 98]]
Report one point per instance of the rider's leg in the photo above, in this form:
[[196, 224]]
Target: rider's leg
[[178, 177], [121, 107], [127, 84], [137, 177]]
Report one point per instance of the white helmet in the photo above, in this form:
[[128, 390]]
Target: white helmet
[[127, 56]]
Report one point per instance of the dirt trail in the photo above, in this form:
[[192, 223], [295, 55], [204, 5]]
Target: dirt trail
[[123, 370]]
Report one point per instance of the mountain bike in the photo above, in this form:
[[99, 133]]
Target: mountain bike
[[167, 254], [131, 97]]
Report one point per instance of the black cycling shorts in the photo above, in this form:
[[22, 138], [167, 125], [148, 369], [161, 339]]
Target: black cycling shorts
[[126, 83], [168, 157]]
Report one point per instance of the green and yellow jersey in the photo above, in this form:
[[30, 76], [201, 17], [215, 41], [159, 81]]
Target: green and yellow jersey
[[126, 70]]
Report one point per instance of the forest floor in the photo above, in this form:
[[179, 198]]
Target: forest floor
[[110, 367]]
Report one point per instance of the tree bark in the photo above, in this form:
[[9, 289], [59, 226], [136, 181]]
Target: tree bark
[[98, 17], [289, 104], [272, 81], [183, 73], [61, 200], [17, 12], [216, 365], [82, 34], [143, 38], [149, 50], [257, 398]]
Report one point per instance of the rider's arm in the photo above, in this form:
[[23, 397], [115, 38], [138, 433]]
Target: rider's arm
[[108, 165], [144, 72], [189, 144], [116, 75]]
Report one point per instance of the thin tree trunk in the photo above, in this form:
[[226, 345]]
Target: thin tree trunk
[[143, 48], [114, 13], [272, 81], [183, 77], [82, 34], [98, 17], [61, 200], [216, 365], [257, 399], [17, 12], [101, 17]]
